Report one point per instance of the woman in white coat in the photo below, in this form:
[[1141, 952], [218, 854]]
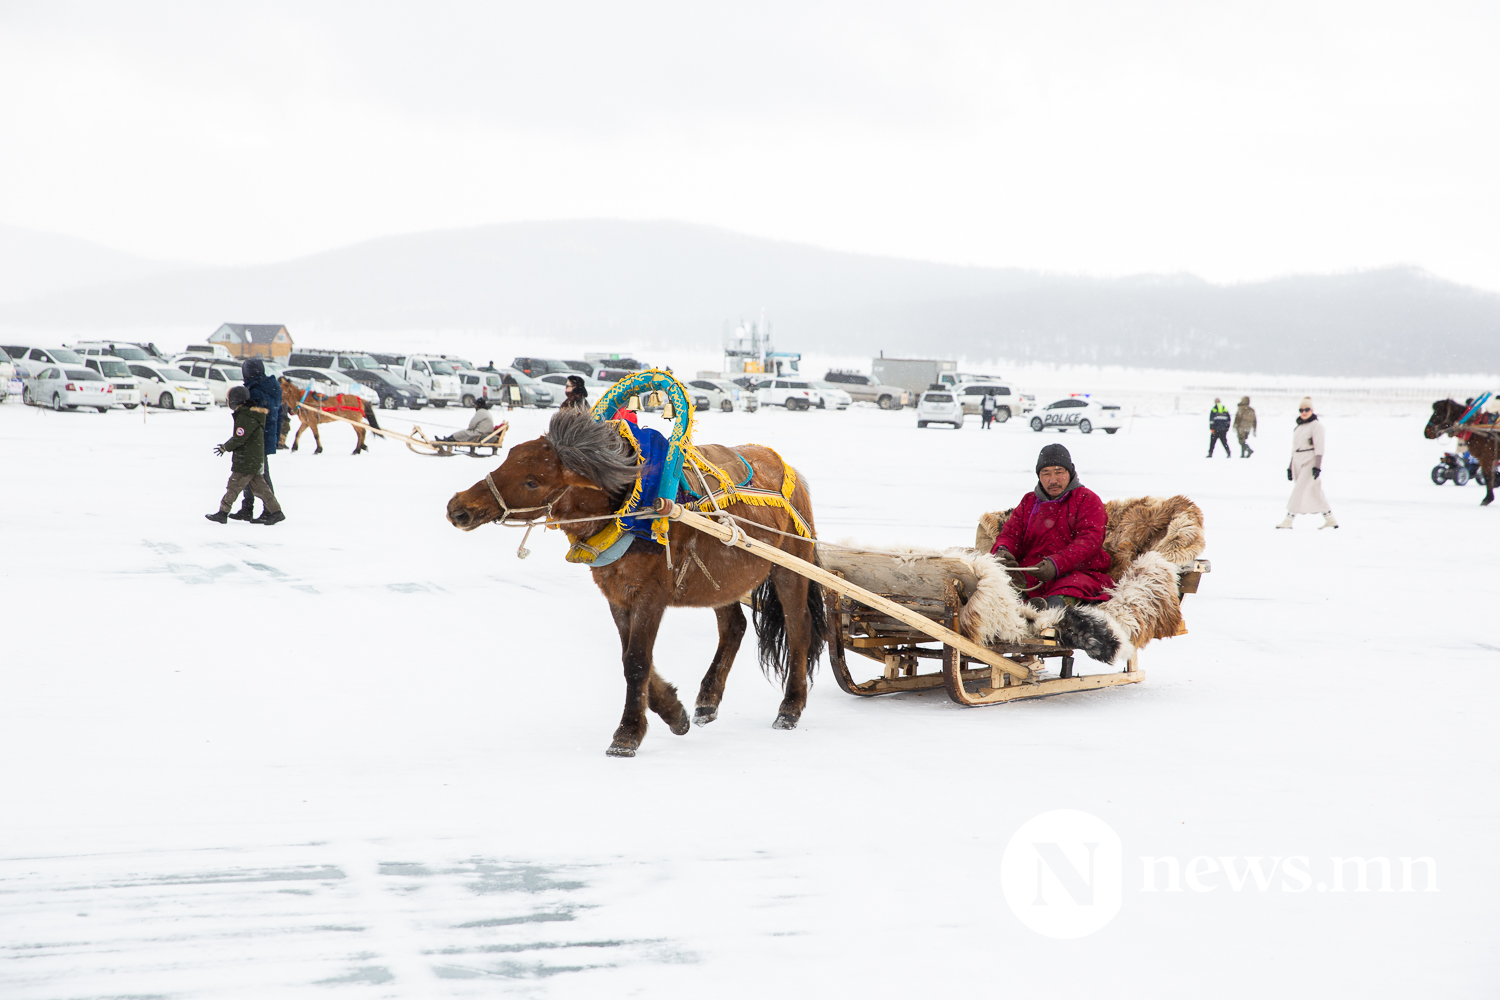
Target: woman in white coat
[[1305, 468]]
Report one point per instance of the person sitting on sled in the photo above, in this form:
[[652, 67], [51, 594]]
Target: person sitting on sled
[[1059, 528]]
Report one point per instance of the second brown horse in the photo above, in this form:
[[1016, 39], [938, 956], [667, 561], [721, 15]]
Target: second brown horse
[[584, 469]]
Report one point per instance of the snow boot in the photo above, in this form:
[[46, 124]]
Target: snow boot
[[218, 517], [1287, 523], [1328, 521], [246, 511], [270, 517]]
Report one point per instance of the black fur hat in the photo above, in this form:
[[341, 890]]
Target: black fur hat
[[254, 368], [481, 403], [1055, 454], [238, 394]]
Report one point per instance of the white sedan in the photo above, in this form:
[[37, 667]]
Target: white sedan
[[1082, 412], [170, 388], [722, 395], [69, 388], [833, 397]]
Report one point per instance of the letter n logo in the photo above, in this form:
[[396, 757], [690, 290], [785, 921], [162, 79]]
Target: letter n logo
[[1062, 873]]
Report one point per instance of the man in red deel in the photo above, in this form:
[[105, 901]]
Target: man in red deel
[[1058, 528]]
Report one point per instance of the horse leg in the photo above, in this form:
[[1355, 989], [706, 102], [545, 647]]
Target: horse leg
[[317, 438], [791, 590], [1489, 483], [662, 697], [638, 626], [731, 632], [359, 443], [301, 426]]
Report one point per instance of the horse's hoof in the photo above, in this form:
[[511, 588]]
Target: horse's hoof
[[620, 750], [680, 725], [703, 715], [785, 721]]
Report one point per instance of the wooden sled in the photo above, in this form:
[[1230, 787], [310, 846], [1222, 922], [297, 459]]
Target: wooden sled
[[420, 443], [900, 631]]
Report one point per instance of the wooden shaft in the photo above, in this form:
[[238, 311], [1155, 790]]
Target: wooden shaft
[[839, 585]]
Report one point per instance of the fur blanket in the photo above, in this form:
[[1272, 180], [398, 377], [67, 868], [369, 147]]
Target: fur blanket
[[1149, 539]]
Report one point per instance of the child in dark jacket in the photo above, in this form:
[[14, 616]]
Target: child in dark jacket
[[249, 447]]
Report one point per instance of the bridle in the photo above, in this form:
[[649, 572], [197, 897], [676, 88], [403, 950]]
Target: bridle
[[507, 512]]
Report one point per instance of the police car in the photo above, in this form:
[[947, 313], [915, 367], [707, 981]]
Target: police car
[[1088, 415]]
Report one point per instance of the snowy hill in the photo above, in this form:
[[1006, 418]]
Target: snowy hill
[[673, 283], [37, 264]]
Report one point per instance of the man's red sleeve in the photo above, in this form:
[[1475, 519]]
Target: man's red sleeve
[[1089, 521]]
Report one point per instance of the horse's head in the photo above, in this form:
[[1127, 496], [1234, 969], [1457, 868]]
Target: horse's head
[[1445, 413], [576, 452]]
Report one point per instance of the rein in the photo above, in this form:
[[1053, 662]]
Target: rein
[[506, 512]]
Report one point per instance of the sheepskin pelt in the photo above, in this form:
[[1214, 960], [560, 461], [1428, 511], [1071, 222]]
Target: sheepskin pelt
[[989, 528], [1172, 527]]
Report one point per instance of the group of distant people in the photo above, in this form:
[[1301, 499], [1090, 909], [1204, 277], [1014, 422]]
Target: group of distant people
[[1306, 466]]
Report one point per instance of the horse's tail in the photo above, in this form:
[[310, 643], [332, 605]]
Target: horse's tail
[[770, 628]]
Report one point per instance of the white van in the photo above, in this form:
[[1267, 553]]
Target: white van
[[434, 375], [127, 389]]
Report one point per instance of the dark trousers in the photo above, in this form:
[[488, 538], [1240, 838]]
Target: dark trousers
[[986, 416], [249, 483], [1219, 437], [250, 494]]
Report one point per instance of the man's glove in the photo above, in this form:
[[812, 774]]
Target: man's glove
[[1288, 473], [1005, 556], [1316, 472], [218, 449], [1046, 572]]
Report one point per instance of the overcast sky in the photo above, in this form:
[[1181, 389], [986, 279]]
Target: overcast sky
[[1235, 141]]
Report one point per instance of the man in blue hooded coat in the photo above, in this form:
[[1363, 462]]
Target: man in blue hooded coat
[[265, 392]]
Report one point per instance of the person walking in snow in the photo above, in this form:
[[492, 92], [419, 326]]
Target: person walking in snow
[[1305, 469], [1244, 425], [248, 442], [265, 392], [1059, 528], [1218, 428], [987, 410]]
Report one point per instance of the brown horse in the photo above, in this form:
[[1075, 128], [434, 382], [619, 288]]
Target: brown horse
[[310, 412], [1484, 447], [583, 468]]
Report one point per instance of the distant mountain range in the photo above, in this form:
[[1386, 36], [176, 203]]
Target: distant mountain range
[[616, 282]]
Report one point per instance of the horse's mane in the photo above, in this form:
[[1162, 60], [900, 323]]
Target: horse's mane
[[593, 449]]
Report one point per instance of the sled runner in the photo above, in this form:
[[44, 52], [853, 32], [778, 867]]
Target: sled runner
[[420, 443]]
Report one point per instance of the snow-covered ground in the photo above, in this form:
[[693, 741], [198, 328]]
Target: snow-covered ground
[[361, 754]]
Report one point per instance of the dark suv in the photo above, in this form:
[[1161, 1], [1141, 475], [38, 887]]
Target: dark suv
[[537, 367]]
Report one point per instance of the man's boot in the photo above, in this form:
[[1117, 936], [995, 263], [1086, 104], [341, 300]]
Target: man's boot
[[218, 517], [1287, 523], [246, 511], [270, 517], [1328, 521]]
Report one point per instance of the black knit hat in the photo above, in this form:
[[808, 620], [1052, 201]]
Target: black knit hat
[[238, 394], [481, 403], [254, 368], [1055, 454]]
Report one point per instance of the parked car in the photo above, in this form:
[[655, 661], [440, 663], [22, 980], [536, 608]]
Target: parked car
[[10, 383], [394, 391], [44, 355], [428, 372], [722, 394], [208, 351], [864, 389], [69, 388], [582, 367], [1008, 402], [794, 394], [127, 392], [592, 386], [219, 375], [698, 396], [537, 367], [613, 374], [833, 395], [943, 407], [533, 392], [122, 349], [475, 384], [1077, 411], [169, 387], [330, 381], [344, 361]]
